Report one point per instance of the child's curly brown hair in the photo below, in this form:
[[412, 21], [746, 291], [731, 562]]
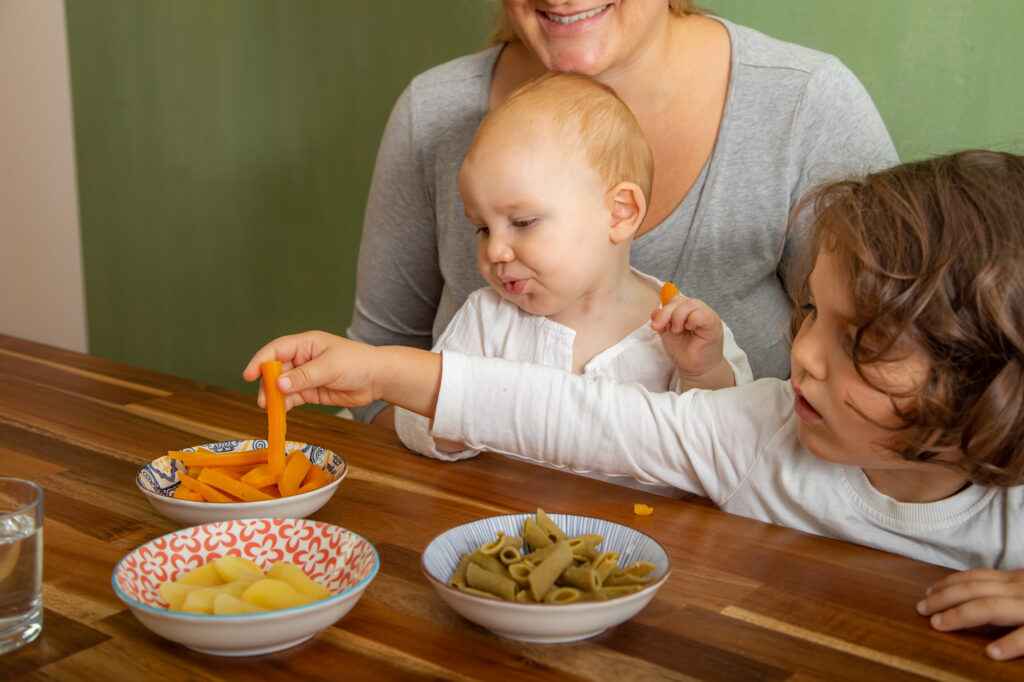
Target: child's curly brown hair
[[934, 252]]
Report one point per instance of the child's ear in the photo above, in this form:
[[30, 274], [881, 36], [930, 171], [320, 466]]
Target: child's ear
[[627, 207]]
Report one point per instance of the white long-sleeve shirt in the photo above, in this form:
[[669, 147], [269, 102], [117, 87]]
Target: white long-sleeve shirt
[[738, 446], [488, 325]]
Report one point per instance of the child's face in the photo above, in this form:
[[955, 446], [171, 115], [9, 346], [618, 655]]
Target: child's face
[[828, 386], [543, 220]]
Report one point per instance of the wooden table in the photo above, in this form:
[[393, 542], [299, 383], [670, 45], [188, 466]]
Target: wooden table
[[746, 600]]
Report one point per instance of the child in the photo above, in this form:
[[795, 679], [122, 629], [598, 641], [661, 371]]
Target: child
[[556, 183], [900, 429]]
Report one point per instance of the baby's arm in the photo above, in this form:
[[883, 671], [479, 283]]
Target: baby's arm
[[692, 334], [980, 597]]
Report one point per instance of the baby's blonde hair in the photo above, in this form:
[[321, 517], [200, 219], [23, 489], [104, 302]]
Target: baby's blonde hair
[[590, 118]]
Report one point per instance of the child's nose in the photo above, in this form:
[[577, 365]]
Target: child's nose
[[807, 354], [499, 250]]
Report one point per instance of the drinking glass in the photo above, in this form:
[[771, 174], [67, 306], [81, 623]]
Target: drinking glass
[[21, 562]]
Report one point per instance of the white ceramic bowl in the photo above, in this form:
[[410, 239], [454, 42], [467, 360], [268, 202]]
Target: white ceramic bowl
[[337, 558], [543, 622], [159, 479]]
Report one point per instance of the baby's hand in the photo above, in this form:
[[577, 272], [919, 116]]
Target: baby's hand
[[692, 335], [980, 597], [319, 368]]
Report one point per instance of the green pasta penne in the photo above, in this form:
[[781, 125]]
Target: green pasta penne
[[581, 576], [545, 565], [499, 585], [536, 536], [545, 574], [458, 578], [550, 527], [561, 595]]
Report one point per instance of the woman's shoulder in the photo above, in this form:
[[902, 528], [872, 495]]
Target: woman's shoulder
[[756, 49], [465, 70]]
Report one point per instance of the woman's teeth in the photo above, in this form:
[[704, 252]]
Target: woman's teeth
[[573, 18]]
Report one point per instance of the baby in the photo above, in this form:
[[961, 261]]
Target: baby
[[901, 428], [556, 183]]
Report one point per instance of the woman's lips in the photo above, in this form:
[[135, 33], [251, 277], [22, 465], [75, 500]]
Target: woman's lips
[[571, 24]]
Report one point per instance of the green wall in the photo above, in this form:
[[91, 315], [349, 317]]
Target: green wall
[[224, 151], [945, 74], [224, 147]]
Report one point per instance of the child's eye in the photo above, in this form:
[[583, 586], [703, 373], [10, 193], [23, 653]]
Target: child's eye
[[483, 230], [522, 223]]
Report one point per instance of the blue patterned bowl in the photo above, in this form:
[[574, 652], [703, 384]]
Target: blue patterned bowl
[[159, 479], [543, 622]]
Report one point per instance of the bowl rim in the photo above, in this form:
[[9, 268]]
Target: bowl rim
[[233, 506], [528, 606], [135, 604]]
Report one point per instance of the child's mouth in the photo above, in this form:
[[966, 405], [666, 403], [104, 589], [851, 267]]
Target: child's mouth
[[514, 286], [804, 410]]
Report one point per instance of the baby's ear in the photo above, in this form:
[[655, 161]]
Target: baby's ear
[[627, 207]]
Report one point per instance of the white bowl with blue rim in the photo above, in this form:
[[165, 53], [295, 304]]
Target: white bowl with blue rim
[[159, 479], [340, 560], [547, 623]]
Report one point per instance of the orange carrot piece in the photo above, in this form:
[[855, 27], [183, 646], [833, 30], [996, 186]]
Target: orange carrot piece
[[209, 493], [227, 484], [260, 477], [183, 492], [315, 474], [294, 471], [229, 472], [668, 290], [271, 490], [275, 416], [202, 458]]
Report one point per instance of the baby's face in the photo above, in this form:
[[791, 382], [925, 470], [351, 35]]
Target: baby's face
[[543, 218]]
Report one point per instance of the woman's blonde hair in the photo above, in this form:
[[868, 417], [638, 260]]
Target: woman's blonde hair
[[504, 33], [589, 117]]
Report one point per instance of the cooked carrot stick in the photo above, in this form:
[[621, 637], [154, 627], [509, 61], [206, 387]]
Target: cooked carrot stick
[[227, 484], [260, 477], [209, 493], [183, 492], [668, 290], [204, 458], [294, 471], [275, 416], [316, 474]]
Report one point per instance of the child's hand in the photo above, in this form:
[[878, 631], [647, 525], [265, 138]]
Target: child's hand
[[319, 368], [692, 335], [325, 369], [980, 597]]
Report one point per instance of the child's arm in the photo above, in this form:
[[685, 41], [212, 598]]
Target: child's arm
[[692, 335], [980, 597], [325, 369]]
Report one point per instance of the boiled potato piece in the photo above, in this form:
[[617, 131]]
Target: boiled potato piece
[[201, 600], [274, 594], [227, 605], [231, 568], [204, 575], [174, 593], [296, 577]]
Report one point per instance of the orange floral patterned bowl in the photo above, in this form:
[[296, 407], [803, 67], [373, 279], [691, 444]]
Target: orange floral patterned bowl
[[336, 558]]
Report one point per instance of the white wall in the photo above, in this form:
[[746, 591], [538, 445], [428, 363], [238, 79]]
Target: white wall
[[41, 288]]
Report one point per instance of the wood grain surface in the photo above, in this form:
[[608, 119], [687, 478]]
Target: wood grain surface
[[745, 601]]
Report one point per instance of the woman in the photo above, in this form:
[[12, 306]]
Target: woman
[[740, 125]]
